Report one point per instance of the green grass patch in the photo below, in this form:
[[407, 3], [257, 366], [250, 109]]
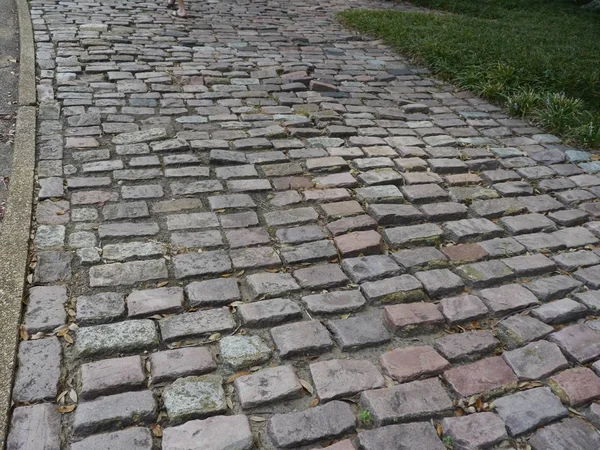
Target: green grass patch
[[539, 58]]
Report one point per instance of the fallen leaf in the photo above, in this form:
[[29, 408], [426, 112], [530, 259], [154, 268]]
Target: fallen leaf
[[344, 316], [257, 419], [214, 337], [23, 332], [61, 396], [479, 404], [229, 403], [439, 429], [226, 275], [73, 395], [66, 409], [574, 411], [235, 376], [306, 385], [162, 284], [67, 337], [388, 382], [157, 430], [314, 402]]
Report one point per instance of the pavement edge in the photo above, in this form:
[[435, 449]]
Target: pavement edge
[[15, 228]]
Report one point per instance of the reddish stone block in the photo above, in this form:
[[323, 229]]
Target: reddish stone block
[[576, 386], [407, 364], [359, 243], [465, 252], [481, 376], [410, 316]]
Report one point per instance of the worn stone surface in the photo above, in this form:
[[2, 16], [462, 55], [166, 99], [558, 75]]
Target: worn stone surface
[[322, 422], [240, 352], [194, 397], [468, 345], [268, 386], [536, 360], [576, 386], [113, 412], [479, 377], [34, 427], [407, 402], [39, 370], [214, 433], [45, 308], [344, 378], [301, 338], [358, 332], [260, 174], [111, 376], [411, 363], [478, 430], [411, 435], [133, 438], [527, 410], [570, 433]]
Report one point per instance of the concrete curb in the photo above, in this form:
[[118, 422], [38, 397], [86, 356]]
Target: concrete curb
[[16, 225], [27, 89]]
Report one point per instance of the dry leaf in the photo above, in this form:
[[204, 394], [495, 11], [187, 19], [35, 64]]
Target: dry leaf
[[162, 284], [157, 430], [314, 402], [73, 395], [61, 396], [257, 419], [439, 429], [479, 404], [272, 270], [388, 382], [214, 337], [574, 411], [67, 337], [23, 332], [229, 403], [226, 275], [66, 409], [306, 385], [240, 273], [344, 316], [235, 376]]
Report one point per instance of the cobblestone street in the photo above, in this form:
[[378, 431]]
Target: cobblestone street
[[256, 229]]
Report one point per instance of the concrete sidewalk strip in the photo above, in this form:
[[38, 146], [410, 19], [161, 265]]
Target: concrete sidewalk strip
[[257, 229]]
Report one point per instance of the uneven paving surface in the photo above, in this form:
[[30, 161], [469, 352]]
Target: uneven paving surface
[[258, 230]]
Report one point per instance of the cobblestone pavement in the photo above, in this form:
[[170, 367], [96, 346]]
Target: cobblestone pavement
[[256, 229]]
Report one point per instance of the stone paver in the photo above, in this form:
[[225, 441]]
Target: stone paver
[[256, 203], [527, 410], [478, 430]]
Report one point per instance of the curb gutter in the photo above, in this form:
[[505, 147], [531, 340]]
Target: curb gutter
[[15, 228]]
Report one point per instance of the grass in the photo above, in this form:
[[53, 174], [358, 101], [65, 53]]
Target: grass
[[366, 417], [539, 58]]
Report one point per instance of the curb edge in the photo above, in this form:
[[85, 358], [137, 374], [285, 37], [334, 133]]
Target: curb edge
[[16, 225]]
